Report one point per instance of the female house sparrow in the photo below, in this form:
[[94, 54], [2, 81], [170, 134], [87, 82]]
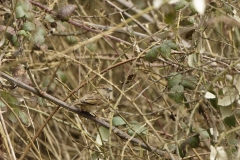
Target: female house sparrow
[[96, 99]]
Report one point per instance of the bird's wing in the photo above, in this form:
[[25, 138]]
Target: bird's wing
[[91, 99]]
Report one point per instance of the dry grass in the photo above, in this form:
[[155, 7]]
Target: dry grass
[[108, 43]]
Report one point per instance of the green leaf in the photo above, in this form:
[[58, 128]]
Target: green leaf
[[49, 18], [230, 121], [152, 54], [25, 4], [41, 101], [14, 41], [41, 31], [103, 135], [23, 117], [38, 39], [170, 17], [165, 50], [229, 96], [176, 93], [2, 105], [62, 76], [226, 111], [118, 121], [182, 151], [29, 15], [171, 44], [227, 8], [189, 82], [191, 6], [28, 26], [95, 156], [137, 128], [175, 80], [24, 34], [9, 98], [71, 40], [192, 60], [185, 22], [91, 47], [20, 12], [211, 96], [194, 141], [12, 118], [181, 4], [203, 132], [214, 103]]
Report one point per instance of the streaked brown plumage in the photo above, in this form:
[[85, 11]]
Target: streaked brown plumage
[[93, 101]]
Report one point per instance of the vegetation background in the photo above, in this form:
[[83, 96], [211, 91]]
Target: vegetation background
[[174, 70]]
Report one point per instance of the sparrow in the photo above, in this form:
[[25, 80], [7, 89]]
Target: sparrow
[[93, 101]]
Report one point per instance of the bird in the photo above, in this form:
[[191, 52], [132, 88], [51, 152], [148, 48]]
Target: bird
[[96, 99]]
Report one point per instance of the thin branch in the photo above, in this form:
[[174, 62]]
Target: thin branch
[[87, 115]]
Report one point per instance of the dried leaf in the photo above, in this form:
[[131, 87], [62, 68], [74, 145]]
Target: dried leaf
[[130, 78], [65, 12], [18, 71]]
